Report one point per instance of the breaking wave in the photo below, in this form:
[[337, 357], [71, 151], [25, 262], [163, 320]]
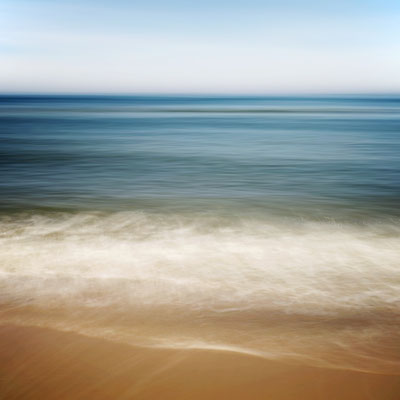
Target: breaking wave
[[279, 288]]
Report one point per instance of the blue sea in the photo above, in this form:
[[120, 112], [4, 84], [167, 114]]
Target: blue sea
[[263, 225], [294, 156]]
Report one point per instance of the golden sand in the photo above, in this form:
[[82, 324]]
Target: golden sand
[[38, 363]]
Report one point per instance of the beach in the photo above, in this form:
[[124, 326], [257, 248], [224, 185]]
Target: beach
[[166, 247], [39, 363]]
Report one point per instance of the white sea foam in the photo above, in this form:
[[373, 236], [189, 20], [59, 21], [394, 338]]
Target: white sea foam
[[201, 272], [293, 266]]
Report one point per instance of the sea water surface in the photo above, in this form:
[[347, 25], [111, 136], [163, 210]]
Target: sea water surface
[[264, 225]]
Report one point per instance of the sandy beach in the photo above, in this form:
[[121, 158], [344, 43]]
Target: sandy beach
[[38, 363], [192, 248]]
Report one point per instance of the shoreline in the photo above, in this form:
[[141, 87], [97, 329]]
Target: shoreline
[[41, 363]]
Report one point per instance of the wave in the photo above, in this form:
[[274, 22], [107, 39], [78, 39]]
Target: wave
[[275, 287]]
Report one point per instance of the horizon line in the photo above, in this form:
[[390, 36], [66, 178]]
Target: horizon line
[[200, 94]]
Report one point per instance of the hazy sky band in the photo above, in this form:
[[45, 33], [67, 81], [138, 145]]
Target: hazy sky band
[[184, 47]]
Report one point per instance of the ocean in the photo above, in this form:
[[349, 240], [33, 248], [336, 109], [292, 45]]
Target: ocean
[[260, 225]]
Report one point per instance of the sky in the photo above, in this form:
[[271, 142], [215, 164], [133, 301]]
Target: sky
[[220, 46]]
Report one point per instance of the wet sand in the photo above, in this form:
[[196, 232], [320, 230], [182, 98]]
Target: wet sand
[[39, 363]]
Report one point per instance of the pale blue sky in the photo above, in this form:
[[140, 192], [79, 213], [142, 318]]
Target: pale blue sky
[[235, 46]]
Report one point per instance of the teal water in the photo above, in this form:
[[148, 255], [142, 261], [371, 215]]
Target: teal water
[[308, 156], [266, 225]]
